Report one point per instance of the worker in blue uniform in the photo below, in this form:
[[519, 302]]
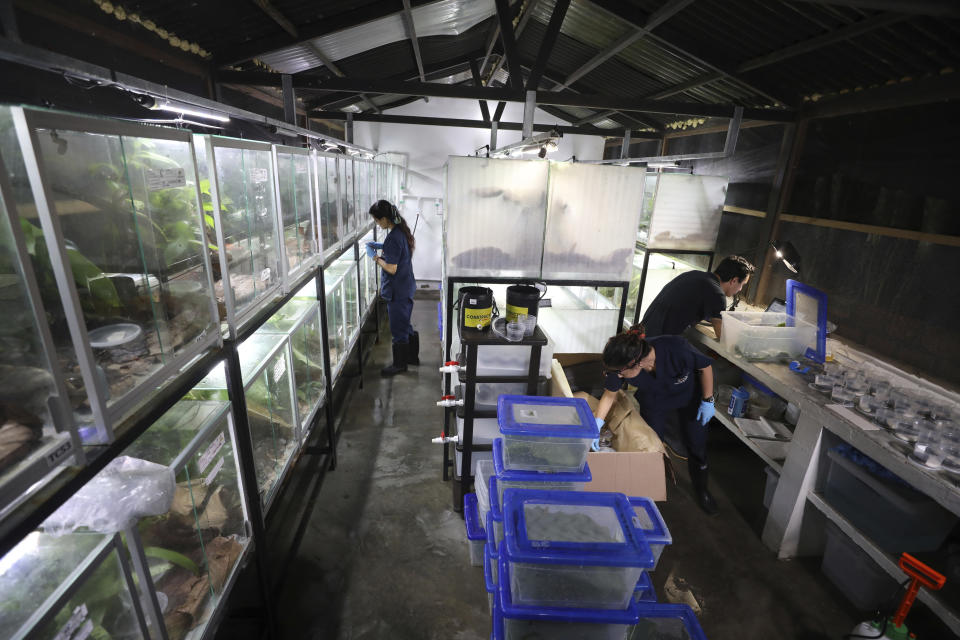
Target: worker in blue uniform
[[674, 382], [694, 296], [398, 284]]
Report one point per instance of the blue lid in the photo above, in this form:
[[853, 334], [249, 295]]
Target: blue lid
[[644, 591], [557, 614], [669, 620], [650, 521], [495, 509], [472, 518], [514, 475], [796, 288], [546, 416], [488, 561], [759, 386], [526, 541]]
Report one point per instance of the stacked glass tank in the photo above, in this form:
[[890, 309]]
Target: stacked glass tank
[[299, 319], [269, 393], [295, 205], [77, 585], [368, 274], [113, 225], [237, 185], [333, 277], [34, 422], [328, 204], [345, 269], [194, 549], [348, 197]]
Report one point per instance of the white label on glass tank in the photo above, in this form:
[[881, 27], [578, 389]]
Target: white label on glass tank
[[265, 275], [55, 457], [76, 619], [165, 179], [213, 474], [211, 451], [258, 175], [279, 368]]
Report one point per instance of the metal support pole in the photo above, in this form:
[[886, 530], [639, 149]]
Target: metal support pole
[[356, 258], [625, 148], [151, 605], [493, 135], [327, 371], [349, 130], [289, 100], [248, 479], [529, 106], [643, 283]]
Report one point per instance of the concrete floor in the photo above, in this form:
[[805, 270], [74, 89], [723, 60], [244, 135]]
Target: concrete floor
[[384, 554]]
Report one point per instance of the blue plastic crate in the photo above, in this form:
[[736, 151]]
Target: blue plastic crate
[[476, 535], [667, 621], [541, 480], [573, 549], [651, 523], [645, 591], [544, 433]]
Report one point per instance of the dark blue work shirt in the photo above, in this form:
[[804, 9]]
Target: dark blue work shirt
[[687, 299], [396, 251], [674, 382]]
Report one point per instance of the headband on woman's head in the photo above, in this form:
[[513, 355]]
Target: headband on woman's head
[[636, 331]]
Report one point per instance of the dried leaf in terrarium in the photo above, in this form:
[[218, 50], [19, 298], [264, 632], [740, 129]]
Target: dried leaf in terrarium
[[222, 554], [215, 514], [183, 501]]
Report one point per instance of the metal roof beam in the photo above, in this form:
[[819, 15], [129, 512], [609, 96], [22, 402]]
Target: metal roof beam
[[277, 16], [936, 8], [335, 70], [328, 24], [546, 45], [498, 112], [412, 34], [509, 43], [597, 117], [475, 72], [659, 17], [479, 124]]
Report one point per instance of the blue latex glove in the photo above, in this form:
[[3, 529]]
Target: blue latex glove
[[705, 412], [595, 445], [376, 245], [371, 252], [600, 422]]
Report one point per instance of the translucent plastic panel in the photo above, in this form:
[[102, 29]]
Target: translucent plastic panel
[[661, 269], [572, 523], [494, 223], [545, 414], [128, 214], [329, 210], [348, 198], [592, 213], [296, 209], [248, 217], [34, 568], [687, 211], [205, 525], [100, 607]]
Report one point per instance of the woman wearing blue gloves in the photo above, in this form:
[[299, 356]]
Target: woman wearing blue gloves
[[397, 284], [673, 380]]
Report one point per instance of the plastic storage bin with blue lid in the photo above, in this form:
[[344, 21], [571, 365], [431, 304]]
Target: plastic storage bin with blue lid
[[572, 548], [645, 591], [521, 479], [543, 433], [674, 621], [496, 511], [476, 536], [514, 621], [651, 523], [489, 579]]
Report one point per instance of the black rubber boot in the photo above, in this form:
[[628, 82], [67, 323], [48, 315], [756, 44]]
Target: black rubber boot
[[413, 350], [698, 476], [399, 360]]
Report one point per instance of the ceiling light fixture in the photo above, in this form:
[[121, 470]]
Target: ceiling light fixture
[[171, 106]]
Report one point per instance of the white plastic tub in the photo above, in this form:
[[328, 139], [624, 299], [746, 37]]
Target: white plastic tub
[[766, 336]]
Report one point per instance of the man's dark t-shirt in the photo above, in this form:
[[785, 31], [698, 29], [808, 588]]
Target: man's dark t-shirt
[[687, 299]]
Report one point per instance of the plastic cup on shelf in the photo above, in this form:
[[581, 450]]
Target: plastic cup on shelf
[[514, 332], [825, 381], [529, 323], [907, 429], [842, 395], [857, 383], [868, 404], [881, 390]]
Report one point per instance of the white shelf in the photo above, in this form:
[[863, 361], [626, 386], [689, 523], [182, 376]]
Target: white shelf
[[949, 616], [731, 426]]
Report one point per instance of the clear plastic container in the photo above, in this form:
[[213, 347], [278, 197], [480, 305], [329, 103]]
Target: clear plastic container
[[652, 525], [545, 433], [476, 536], [572, 549], [771, 337], [515, 479], [507, 359], [842, 395], [489, 577], [496, 513], [481, 486], [908, 429], [666, 621], [485, 430]]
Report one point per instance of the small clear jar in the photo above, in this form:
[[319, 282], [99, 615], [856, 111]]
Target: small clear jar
[[907, 429], [842, 395], [868, 404]]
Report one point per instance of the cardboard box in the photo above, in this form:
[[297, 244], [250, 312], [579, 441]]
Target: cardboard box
[[634, 473]]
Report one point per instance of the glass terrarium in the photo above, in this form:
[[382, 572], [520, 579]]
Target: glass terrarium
[[295, 205], [113, 225], [299, 319], [345, 266], [368, 275], [333, 277], [348, 197], [36, 430], [192, 551], [237, 186], [78, 585], [269, 393], [328, 204]]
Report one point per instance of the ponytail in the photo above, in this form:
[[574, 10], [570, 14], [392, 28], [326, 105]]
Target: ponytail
[[383, 209], [626, 347]]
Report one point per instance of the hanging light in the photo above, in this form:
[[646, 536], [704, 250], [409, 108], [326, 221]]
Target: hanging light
[[172, 106]]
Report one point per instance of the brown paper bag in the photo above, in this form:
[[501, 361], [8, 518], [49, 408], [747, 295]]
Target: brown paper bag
[[630, 431]]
